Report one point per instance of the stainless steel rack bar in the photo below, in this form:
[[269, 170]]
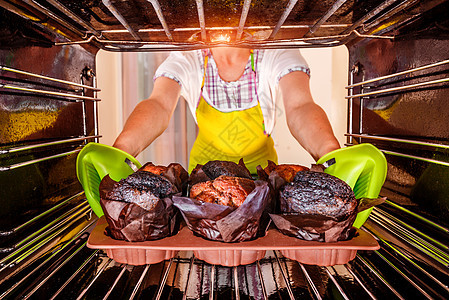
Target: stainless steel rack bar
[[243, 16], [7, 69], [409, 16], [404, 141], [429, 160], [45, 92], [201, 19], [88, 260], [30, 162], [386, 216], [398, 8], [262, 283], [310, 282], [287, 282], [53, 272], [418, 217], [120, 18], [312, 42], [164, 280], [284, 16], [47, 12], [372, 13], [379, 276], [158, 10], [403, 275], [236, 283], [414, 242], [41, 237], [40, 216], [399, 88], [337, 4], [74, 17], [105, 264], [192, 260], [335, 282], [139, 283], [349, 268], [212, 282], [115, 282], [58, 142], [196, 29], [53, 225], [440, 63], [54, 254], [399, 253]]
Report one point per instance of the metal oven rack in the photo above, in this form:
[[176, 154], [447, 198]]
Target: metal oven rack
[[71, 271], [373, 24], [36, 232], [367, 88], [72, 92]]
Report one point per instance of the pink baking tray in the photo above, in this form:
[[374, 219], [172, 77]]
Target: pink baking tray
[[229, 254]]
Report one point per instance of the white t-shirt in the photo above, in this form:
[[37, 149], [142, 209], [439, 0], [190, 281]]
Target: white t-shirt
[[187, 68]]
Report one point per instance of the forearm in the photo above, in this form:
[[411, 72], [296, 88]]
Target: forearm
[[144, 125], [311, 128], [306, 120], [150, 117]]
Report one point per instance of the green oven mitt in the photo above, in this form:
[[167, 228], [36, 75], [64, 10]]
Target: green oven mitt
[[96, 161], [363, 167]]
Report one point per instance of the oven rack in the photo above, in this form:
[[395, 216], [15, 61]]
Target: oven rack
[[45, 88], [374, 89], [399, 270], [375, 23]]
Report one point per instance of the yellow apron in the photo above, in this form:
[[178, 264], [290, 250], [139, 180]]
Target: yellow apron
[[231, 135]]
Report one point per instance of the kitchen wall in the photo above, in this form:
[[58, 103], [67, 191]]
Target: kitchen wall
[[126, 78]]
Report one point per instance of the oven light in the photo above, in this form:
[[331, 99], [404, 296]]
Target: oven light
[[220, 38]]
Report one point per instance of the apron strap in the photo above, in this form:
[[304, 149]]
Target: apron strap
[[205, 68]]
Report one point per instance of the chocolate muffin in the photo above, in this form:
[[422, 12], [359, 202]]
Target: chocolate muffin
[[317, 193], [285, 171], [216, 168], [224, 190], [142, 188]]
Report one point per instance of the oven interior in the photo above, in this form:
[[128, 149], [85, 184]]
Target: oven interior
[[397, 100]]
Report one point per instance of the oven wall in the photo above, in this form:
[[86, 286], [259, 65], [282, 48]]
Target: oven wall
[[28, 118], [417, 118]]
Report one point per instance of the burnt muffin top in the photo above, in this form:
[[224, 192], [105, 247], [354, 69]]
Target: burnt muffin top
[[142, 188], [318, 193], [216, 168]]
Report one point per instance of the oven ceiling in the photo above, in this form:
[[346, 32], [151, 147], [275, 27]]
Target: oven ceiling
[[150, 25]]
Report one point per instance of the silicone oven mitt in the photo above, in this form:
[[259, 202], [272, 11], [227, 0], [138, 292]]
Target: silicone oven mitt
[[363, 167], [96, 161]]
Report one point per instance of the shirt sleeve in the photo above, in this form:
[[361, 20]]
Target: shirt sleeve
[[177, 66], [283, 62], [184, 68]]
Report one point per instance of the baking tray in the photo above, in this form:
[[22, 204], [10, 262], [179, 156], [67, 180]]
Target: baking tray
[[229, 254]]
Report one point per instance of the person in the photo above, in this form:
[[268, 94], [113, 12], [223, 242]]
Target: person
[[232, 93]]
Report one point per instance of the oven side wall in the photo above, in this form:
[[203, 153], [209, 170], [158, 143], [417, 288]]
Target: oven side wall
[[411, 122], [34, 180]]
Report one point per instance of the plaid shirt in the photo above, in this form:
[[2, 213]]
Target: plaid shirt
[[235, 95], [240, 94]]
